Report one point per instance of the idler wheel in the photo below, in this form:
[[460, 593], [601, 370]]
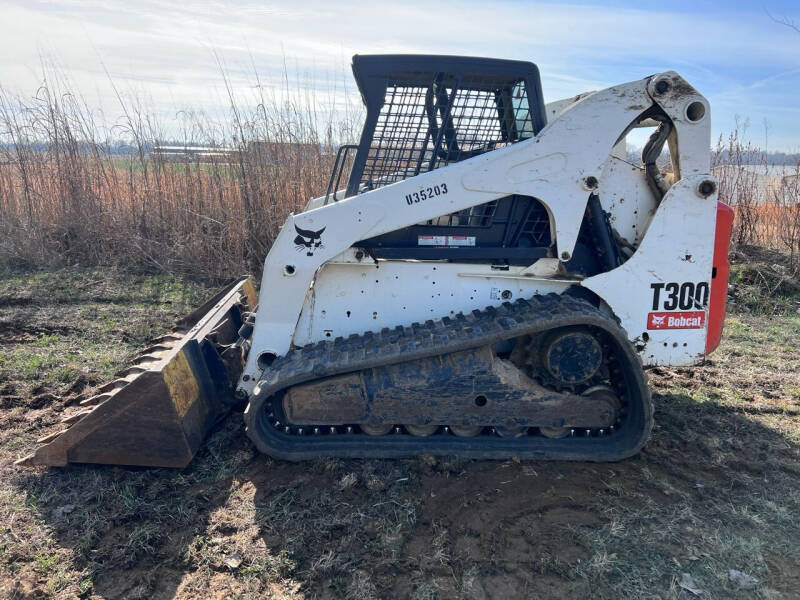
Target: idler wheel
[[422, 430], [376, 429], [465, 430], [511, 432], [572, 357]]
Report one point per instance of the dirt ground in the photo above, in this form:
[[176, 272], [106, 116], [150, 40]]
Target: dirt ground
[[717, 487]]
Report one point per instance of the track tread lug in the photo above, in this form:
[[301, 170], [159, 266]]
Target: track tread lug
[[449, 334]]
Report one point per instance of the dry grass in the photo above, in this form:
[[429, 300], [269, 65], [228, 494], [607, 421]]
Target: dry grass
[[766, 198], [715, 489], [763, 281], [67, 198]]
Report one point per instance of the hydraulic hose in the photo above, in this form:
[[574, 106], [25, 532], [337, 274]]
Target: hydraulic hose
[[650, 153]]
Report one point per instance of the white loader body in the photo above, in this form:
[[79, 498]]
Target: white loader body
[[660, 295]]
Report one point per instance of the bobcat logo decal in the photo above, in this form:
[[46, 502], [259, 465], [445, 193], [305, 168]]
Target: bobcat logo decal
[[308, 240]]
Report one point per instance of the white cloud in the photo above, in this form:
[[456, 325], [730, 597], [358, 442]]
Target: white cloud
[[167, 49]]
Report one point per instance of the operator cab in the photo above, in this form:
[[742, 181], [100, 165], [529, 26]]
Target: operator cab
[[425, 112]]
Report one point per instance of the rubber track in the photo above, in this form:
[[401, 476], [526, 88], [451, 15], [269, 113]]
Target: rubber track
[[443, 336]]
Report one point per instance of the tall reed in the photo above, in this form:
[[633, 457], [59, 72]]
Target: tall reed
[[68, 196], [765, 196]]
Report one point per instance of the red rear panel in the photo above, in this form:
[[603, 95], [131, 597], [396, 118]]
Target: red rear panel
[[719, 276]]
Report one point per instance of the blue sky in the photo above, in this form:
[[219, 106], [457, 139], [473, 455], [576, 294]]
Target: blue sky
[[746, 64]]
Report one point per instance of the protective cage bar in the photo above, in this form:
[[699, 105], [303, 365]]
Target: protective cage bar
[[425, 112]]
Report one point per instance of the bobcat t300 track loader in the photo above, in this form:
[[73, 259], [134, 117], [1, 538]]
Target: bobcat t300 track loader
[[486, 278]]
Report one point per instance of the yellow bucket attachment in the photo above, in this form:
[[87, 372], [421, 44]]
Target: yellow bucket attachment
[[158, 411]]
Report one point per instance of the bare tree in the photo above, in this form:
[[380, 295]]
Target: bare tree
[[784, 21]]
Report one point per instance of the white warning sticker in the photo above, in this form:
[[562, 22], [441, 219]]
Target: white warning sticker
[[431, 240], [445, 240], [460, 240]]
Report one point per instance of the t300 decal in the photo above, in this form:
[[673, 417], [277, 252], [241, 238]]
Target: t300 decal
[[683, 296], [688, 297]]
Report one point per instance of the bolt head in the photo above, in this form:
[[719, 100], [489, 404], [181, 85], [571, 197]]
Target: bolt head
[[662, 86]]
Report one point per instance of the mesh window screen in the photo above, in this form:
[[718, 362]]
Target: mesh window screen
[[476, 216], [537, 226], [421, 128]]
